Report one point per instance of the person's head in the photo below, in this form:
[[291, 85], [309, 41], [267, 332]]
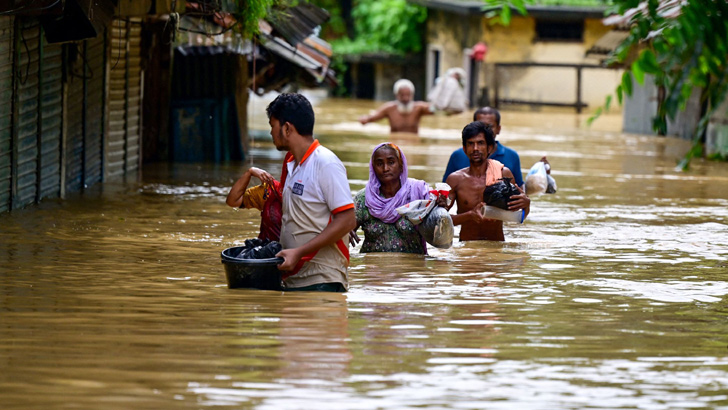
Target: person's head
[[387, 163], [478, 141], [457, 73], [490, 116], [404, 91], [289, 113]]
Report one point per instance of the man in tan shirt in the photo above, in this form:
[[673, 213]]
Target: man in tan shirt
[[318, 210]]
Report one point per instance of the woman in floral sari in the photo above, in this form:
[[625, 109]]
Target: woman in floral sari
[[388, 188]]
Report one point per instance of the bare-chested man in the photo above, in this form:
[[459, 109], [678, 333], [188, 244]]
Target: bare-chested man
[[467, 186], [403, 113]]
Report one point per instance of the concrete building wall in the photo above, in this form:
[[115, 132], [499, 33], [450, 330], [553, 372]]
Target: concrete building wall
[[716, 140], [640, 107], [450, 34]]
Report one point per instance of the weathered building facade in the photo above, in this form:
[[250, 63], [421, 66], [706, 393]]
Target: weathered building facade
[[538, 59], [75, 101]]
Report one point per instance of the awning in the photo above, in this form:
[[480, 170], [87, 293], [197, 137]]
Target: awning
[[286, 46]]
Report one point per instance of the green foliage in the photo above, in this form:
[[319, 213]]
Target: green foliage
[[339, 67], [502, 12], [336, 26], [391, 26], [248, 12], [682, 52], [682, 49]]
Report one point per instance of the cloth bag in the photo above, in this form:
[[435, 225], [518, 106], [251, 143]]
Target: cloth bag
[[434, 222]]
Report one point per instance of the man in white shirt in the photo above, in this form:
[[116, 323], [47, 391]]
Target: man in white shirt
[[318, 210]]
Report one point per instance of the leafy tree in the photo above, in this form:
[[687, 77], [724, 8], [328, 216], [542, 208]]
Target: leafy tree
[[371, 26], [391, 26], [682, 44]]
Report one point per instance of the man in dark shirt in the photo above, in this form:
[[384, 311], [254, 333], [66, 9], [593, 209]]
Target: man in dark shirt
[[502, 154]]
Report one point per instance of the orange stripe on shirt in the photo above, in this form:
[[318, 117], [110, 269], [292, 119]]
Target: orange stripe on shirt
[[342, 209], [315, 144]]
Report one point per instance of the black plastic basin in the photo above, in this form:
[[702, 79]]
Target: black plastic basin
[[251, 273]]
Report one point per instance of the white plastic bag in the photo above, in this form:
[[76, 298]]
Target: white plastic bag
[[435, 222], [537, 179], [416, 211], [551, 188]]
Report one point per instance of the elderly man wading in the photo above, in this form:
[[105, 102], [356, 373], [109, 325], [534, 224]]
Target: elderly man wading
[[403, 113]]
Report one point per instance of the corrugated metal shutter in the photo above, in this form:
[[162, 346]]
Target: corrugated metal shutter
[[115, 142], [51, 112], [6, 109], [134, 95], [94, 71], [125, 98], [26, 123], [75, 111]]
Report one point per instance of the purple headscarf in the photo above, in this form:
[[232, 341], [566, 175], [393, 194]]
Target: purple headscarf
[[385, 208]]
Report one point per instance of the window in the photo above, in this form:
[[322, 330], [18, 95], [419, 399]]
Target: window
[[433, 66], [553, 30]]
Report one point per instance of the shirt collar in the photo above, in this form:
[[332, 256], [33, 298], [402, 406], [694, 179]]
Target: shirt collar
[[500, 149], [315, 144]]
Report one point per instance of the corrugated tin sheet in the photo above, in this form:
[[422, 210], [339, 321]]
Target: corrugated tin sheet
[[74, 118], [6, 109], [296, 23], [26, 122], [94, 71], [116, 139], [51, 112]]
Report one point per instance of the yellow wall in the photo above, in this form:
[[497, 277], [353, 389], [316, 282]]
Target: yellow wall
[[452, 33]]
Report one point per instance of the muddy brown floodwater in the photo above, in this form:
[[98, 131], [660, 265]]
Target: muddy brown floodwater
[[612, 295]]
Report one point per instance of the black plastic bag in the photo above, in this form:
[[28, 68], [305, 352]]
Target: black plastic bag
[[259, 249], [499, 194]]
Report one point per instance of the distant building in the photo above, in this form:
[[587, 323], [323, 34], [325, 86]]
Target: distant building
[[532, 61], [372, 75]]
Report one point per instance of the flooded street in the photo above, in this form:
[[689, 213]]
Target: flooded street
[[612, 295]]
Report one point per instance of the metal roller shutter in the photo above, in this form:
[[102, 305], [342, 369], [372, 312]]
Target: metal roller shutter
[[51, 113], [27, 109], [94, 72], [6, 109], [74, 118], [115, 143], [134, 95]]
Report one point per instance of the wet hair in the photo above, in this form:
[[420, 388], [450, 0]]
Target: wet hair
[[476, 127], [403, 83], [487, 111], [294, 109]]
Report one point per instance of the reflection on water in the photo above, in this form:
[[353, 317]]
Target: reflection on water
[[612, 294]]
